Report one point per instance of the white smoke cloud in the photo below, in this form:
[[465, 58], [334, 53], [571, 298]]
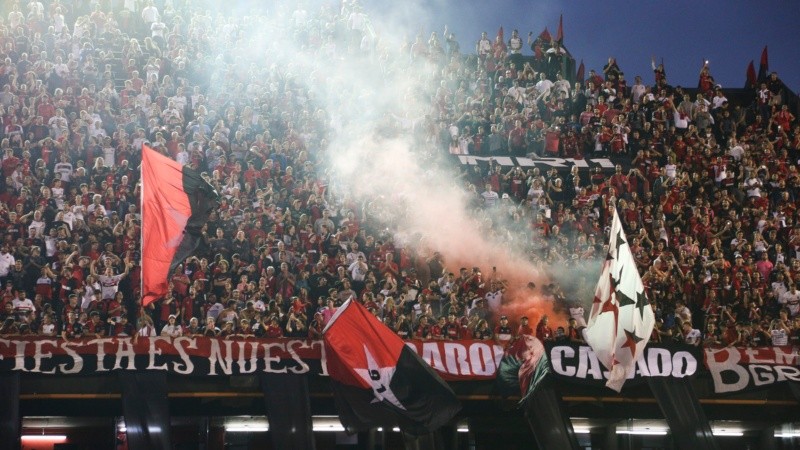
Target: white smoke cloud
[[368, 96]]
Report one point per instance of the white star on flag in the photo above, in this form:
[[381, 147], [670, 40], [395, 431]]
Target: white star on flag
[[621, 319], [379, 379]]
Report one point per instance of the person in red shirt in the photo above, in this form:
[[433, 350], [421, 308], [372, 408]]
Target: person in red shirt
[[524, 328], [452, 329], [437, 329], [543, 331], [274, 329]]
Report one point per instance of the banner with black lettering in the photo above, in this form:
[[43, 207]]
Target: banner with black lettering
[[544, 164], [204, 356], [735, 369], [578, 363]]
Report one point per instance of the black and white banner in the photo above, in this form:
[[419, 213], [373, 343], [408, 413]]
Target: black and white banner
[[578, 363], [545, 164]]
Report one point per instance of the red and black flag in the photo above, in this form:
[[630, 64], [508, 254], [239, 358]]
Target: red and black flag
[[378, 381], [763, 66], [545, 36], [176, 202], [560, 32], [581, 73], [751, 77]]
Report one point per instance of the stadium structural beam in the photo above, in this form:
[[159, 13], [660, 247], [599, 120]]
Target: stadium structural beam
[[767, 440], [288, 410], [430, 441], [687, 421], [548, 418], [10, 420], [145, 407]]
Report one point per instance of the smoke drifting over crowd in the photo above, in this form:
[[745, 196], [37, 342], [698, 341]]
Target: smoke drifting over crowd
[[360, 75]]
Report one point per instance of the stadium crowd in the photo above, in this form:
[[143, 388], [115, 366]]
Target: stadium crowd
[[707, 189]]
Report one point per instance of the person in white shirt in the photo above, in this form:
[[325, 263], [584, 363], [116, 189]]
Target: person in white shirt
[[109, 281], [172, 328], [543, 86], [490, 197], [779, 332], [48, 328], [150, 14], [791, 300], [638, 89], [6, 263], [146, 327], [736, 151], [358, 270], [22, 304], [494, 298], [561, 85], [691, 335], [718, 100]]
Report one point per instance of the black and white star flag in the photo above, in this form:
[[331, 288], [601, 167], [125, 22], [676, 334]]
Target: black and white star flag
[[621, 319]]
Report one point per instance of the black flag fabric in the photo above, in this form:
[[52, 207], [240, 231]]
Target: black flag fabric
[[378, 381]]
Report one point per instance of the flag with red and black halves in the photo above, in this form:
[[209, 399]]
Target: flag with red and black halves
[[751, 77], [176, 202], [763, 65], [621, 319], [378, 381], [581, 73]]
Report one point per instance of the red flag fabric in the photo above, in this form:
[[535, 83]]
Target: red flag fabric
[[560, 33], [763, 66], [751, 76], [500, 34], [379, 381], [581, 73], [621, 318], [545, 35], [175, 205]]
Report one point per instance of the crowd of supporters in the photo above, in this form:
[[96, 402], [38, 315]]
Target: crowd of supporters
[[707, 189]]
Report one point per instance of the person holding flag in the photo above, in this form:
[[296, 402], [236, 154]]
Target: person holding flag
[[621, 319]]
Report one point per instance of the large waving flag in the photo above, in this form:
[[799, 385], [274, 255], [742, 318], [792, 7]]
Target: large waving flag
[[176, 202], [379, 381], [621, 319], [560, 32], [751, 77], [763, 65]]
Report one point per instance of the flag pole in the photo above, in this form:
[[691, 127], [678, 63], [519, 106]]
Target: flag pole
[[141, 226]]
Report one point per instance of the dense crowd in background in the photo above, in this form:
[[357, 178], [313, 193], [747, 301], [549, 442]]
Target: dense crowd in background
[[707, 189]]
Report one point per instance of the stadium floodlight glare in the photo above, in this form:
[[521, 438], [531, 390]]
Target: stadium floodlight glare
[[644, 432], [246, 428], [329, 428], [737, 433], [788, 435], [54, 438]]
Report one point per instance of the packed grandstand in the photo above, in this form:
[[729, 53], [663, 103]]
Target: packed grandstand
[[707, 188]]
